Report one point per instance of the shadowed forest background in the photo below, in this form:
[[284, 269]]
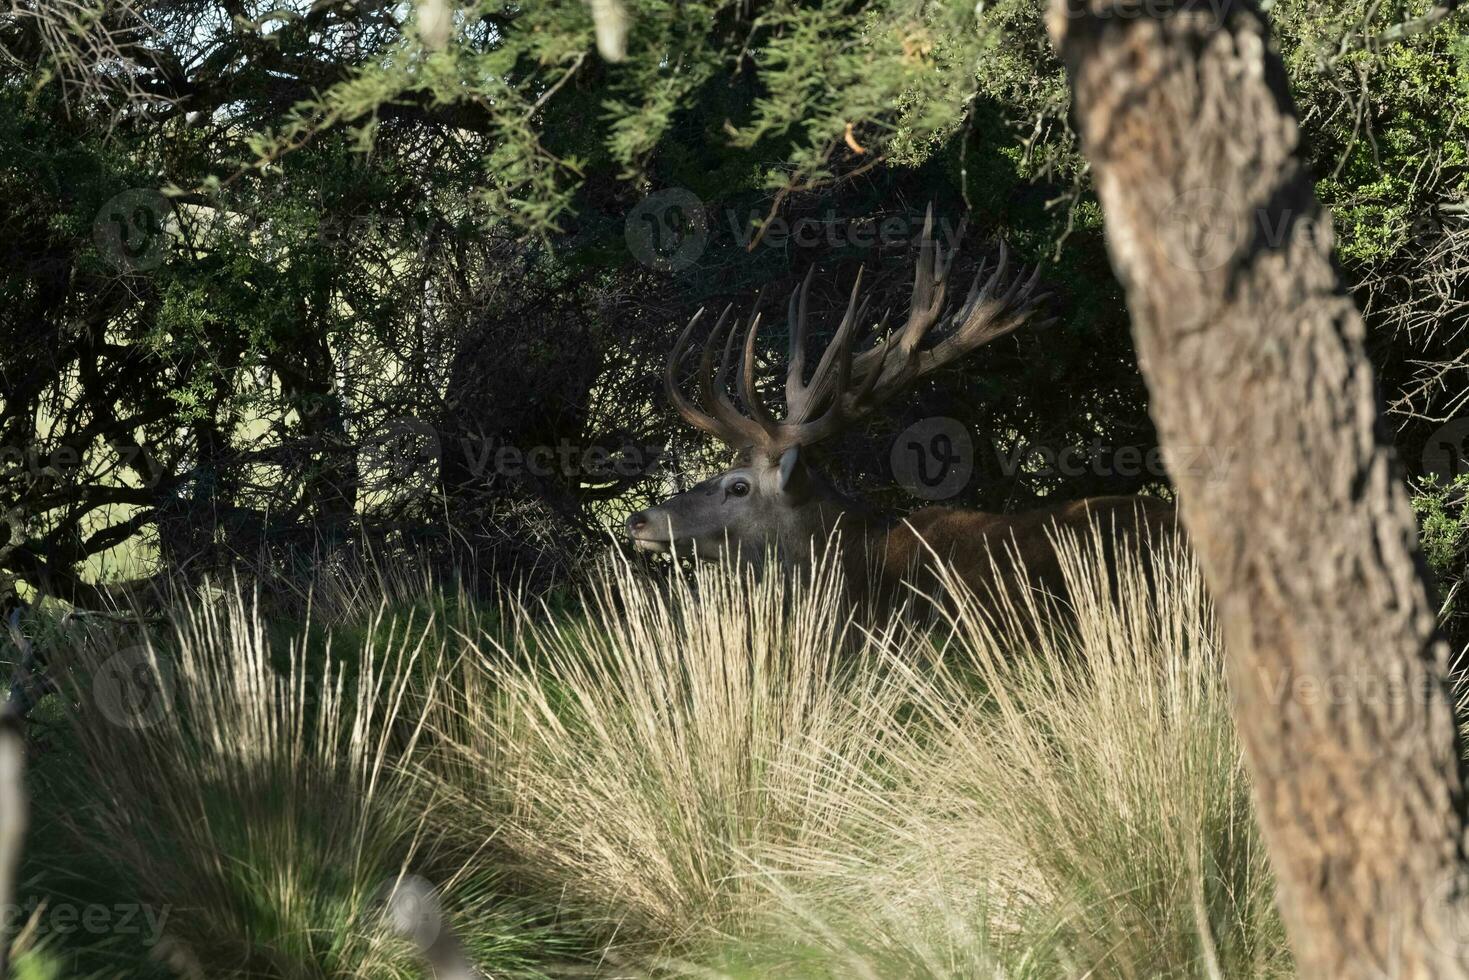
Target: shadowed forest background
[[281, 281], [333, 347]]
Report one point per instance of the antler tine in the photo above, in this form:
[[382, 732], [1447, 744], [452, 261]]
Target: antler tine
[[681, 404], [930, 288], [870, 379], [923, 279], [1021, 288], [706, 358], [835, 416], [943, 261], [735, 430], [817, 408], [958, 237], [802, 401], [986, 317], [980, 319], [875, 368], [1002, 265], [748, 394], [796, 322], [976, 288], [982, 285], [717, 392]]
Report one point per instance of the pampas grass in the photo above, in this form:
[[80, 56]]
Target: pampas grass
[[259, 798], [717, 774], [729, 767], [644, 755], [1069, 801]]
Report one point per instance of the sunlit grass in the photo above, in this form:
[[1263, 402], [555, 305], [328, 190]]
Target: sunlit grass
[[721, 774], [729, 767], [267, 810], [1069, 802], [645, 754]]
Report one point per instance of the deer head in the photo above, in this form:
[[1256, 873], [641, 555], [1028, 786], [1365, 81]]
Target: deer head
[[773, 498]]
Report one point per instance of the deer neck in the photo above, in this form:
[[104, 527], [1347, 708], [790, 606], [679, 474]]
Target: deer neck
[[878, 554], [849, 528]]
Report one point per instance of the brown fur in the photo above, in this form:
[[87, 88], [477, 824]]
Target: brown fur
[[968, 540], [756, 508]]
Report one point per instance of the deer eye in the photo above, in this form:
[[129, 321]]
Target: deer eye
[[739, 488]]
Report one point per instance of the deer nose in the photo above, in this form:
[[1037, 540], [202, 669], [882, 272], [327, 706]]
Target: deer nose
[[636, 522]]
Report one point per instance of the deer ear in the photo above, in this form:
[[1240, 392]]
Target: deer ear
[[790, 464]]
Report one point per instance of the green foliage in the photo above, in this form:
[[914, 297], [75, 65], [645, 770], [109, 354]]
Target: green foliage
[[1380, 177], [262, 816], [892, 75], [1443, 521], [357, 213], [1443, 533]]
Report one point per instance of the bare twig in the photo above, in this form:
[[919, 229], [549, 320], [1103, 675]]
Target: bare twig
[[1395, 34]]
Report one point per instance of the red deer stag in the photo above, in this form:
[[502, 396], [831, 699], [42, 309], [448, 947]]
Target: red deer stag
[[775, 502]]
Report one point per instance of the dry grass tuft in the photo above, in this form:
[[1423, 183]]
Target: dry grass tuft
[[721, 775], [644, 755], [1071, 800], [258, 799], [728, 771]]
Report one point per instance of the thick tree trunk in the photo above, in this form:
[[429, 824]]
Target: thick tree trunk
[[1251, 346]]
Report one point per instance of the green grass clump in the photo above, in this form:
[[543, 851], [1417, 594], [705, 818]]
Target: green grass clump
[[1073, 800], [264, 813], [722, 775]]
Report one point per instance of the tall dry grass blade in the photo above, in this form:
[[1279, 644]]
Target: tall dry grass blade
[[1066, 797], [254, 795], [645, 750]]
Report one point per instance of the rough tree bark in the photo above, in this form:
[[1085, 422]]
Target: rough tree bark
[[1250, 344]]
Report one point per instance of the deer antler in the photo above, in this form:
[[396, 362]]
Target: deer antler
[[845, 386]]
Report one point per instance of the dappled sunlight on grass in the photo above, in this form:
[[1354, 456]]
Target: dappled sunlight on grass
[[717, 773]]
